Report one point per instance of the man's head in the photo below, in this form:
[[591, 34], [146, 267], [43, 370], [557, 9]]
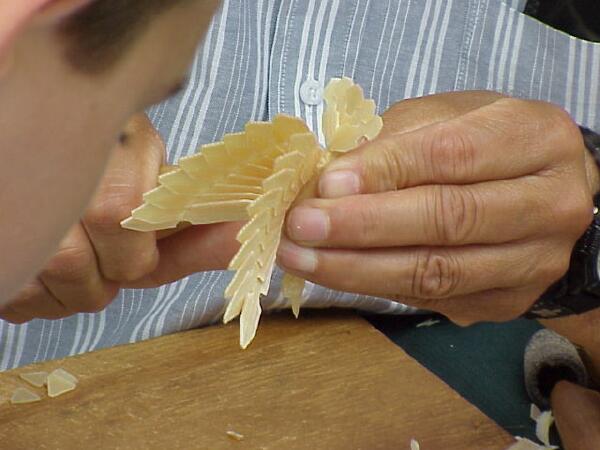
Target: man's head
[[71, 73]]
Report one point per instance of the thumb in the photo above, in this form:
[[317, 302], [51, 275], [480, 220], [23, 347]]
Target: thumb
[[381, 165]]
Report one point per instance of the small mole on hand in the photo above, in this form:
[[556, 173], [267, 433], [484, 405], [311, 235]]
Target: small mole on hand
[[123, 138]]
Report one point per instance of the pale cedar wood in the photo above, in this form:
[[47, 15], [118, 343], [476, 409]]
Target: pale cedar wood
[[256, 176]]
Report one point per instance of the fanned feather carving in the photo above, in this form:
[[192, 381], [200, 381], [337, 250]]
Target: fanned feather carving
[[349, 117], [260, 237], [218, 183], [347, 120], [257, 176]]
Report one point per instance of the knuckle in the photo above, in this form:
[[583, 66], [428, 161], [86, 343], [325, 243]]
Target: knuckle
[[511, 111], [562, 265], [562, 128], [552, 128], [15, 320], [548, 274], [144, 263], [512, 117], [456, 214], [574, 212], [387, 171], [448, 152], [94, 306], [98, 302], [110, 208], [436, 275], [512, 105], [582, 215], [70, 264], [29, 292], [367, 222], [539, 125], [550, 269]]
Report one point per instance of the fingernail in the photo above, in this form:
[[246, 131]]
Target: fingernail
[[308, 225], [294, 257], [339, 183]]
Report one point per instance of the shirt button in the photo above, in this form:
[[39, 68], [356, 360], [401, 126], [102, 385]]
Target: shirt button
[[311, 92]]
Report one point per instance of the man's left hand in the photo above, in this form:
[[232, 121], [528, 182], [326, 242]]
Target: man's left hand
[[577, 412], [468, 204]]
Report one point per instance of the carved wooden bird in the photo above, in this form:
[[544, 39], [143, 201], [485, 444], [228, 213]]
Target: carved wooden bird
[[256, 176]]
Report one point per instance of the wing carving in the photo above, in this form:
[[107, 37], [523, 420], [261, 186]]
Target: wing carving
[[257, 176]]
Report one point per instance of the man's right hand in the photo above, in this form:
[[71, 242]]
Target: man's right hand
[[98, 257]]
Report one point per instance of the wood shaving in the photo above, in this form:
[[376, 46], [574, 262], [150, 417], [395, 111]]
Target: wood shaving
[[428, 323], [534, 412], [22, 396], [66, 375], [526, 444], [37, 379], [293, 288], [257, 176], [235, 435], [58, 385], [542, 427], [543, 423]]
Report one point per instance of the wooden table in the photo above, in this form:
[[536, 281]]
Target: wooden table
[[322, 382]]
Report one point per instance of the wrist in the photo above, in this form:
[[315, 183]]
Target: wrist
[[579, 290], [592, 159], [592, 172]]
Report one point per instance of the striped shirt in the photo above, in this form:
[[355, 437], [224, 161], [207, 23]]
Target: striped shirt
[[257, 57]]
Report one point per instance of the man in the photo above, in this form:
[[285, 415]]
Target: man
[[72, 73], [510, 178], [498, 228]]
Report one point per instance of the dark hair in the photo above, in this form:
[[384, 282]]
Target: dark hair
[[99, 34]]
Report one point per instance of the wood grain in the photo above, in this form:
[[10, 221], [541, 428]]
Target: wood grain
[[326, 382]]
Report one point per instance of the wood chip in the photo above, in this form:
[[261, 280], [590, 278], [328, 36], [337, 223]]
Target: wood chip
[[66, 375], [414, 445], [428, 323], [534, 412], [37, 379], [22, 396], [292, 288], [542, 427], [58, 384], [526, 444], [235, 435]]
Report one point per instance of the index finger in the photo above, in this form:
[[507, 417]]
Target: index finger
[[505, 139], [125, 255]]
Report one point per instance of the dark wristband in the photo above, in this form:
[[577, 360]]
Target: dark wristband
[[592, 143], [579, 290]]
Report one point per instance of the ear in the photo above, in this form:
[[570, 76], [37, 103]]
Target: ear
[[15, 15]]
